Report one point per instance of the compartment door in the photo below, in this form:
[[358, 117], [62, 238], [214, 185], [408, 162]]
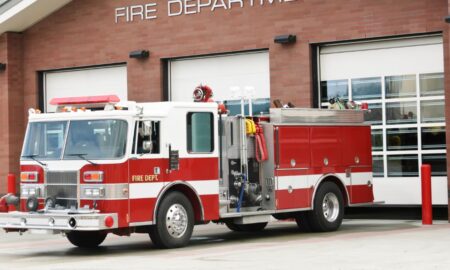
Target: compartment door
[[293, 162]]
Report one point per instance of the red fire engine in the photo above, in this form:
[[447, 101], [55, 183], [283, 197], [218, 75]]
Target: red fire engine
[[100, 166]]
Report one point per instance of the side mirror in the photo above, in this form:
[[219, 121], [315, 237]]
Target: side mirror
[[146, 129], [147, 146]]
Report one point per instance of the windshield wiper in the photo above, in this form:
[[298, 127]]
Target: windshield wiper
[[33, 157], [82, 156]]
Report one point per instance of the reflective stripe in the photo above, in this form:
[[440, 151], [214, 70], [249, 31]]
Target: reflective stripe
[[151, 190]]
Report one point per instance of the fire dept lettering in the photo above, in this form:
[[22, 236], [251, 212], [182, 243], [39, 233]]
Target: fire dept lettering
[[148, 11], [144, 178]]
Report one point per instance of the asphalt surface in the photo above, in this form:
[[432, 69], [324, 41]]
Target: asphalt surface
[[359, 244]]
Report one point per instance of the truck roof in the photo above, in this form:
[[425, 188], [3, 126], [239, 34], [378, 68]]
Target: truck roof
[[130, 108]]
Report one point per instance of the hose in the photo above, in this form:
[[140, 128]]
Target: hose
[[260, 145], [241, 194]]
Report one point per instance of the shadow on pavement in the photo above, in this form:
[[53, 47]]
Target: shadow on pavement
[[214, 236]]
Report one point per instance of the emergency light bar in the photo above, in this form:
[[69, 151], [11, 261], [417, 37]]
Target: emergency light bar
[[84, 100], [73, 104]]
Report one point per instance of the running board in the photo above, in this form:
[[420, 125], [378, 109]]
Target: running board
[[252, 219]]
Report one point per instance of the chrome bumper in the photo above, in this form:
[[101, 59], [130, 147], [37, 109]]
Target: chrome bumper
[[22, 221]]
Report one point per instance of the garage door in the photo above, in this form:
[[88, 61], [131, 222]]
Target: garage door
[[221, 73], [85, 82], [403, 82]]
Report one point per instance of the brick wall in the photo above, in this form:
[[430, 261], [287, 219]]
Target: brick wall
[[11, 105]]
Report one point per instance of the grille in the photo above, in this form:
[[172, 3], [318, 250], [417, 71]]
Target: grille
[[63, 186], [62, 177]]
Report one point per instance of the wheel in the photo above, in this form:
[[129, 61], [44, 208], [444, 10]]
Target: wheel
[[89, 239], [255, 227], [302, 221], [328, 210], [174, 222]]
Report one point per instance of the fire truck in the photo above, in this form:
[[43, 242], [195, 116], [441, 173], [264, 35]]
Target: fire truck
[[100, 165]]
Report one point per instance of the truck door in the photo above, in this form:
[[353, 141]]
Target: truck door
[[147, 170]]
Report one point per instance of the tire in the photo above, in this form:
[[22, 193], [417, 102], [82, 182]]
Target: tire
[[174, 222], [328, 210], [255, 227], [89, 239], [302, 221]]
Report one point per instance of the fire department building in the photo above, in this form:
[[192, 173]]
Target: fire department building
[[394, 55]]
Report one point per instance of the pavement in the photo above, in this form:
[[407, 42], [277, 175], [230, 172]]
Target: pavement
[[359, 244]]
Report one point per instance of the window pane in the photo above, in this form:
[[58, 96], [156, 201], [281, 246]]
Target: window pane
[[377, 166], [403, 165], [45, 140], [400, 86], [431, 84], [432, 111], [366, 88], [148, 137], [200, 132], [377, 140], [332, 89], [401, 139], [375, 115], [433, 138], [438, 164], [96, 139], [401, 112]]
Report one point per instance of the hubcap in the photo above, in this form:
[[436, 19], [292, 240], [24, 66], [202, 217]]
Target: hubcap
[[176, 221], [330, 207]]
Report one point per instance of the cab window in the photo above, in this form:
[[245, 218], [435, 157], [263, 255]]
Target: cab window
[[200, 132], [147, 137]]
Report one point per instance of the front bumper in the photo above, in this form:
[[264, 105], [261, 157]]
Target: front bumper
[[22, 221]]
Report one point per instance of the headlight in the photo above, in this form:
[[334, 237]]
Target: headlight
[[30, 191], [92, 192]]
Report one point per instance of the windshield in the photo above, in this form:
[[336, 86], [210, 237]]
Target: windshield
[[85, 139]]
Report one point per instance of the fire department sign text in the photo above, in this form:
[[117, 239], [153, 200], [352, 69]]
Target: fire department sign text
[[149, 10]]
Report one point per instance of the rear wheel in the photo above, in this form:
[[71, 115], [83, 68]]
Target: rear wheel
[[174, 222], [89, 239], [255, 227], [328, 210]]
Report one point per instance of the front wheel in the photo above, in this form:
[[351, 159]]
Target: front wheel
[[328, 210], [174, 222], [88, 239]]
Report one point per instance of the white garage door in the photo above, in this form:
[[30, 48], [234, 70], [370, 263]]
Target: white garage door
[[221, 73], [85, 82], [403, 82]]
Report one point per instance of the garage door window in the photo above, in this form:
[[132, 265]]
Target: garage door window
[[407, 119]]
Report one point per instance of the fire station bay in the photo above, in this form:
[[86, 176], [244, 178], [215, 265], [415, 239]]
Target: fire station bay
[[393, 55]]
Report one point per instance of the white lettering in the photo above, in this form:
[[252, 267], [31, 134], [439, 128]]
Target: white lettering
[[183, 7], [121, 12], [231, 2], [203, 5], [180, 7], [150, 11], [188, 5], [215, 5], [136, 11]]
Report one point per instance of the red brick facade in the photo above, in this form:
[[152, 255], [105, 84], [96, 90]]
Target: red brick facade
[[84, 33]]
